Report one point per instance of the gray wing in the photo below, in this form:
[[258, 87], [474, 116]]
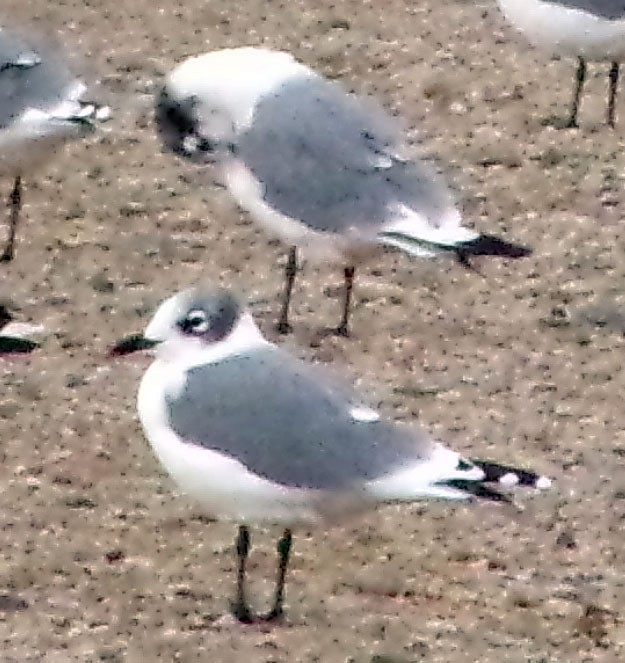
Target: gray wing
[[611, 10], [268, 412], [28, 79], [332, 161]]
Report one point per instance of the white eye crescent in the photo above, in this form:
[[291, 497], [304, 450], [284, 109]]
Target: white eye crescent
[[197, 321]]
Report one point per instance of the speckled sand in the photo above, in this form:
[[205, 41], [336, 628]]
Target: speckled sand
[[102, 560]]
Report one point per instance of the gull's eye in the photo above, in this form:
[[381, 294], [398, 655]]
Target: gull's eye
[[196, 322]]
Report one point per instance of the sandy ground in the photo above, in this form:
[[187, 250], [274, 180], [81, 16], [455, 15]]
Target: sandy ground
[[102, 560]]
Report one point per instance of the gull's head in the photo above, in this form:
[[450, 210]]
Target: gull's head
[[196, 326], [208, 99], [198, 315]]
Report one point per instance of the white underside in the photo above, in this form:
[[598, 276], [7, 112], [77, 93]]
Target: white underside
[[228, 490], [353, 246], [566, 31], [328, 247], [409, 247]]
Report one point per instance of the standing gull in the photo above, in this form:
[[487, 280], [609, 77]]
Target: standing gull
[[585, 29], [40, 109], [256, 435], [319, 168]]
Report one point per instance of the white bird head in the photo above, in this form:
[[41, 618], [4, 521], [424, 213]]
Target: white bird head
[[208, 99], [196, 326], [193, 319]]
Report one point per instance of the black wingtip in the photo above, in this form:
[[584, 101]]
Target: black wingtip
[[507, 476], [503, 477], [490, 245], [478, 489], [16, 345]]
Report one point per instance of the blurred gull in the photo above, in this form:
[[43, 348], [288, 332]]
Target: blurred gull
[[40, 109], [18, 337], [257, 436], [586, 29], [319, 168]]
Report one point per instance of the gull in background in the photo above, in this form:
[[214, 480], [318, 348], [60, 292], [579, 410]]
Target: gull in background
[[258, 436], [18, 337], [585, 29], [319, 168], [40, 109]]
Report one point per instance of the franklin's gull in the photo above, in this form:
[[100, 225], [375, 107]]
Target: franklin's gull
[[255, 435], [319, 168]]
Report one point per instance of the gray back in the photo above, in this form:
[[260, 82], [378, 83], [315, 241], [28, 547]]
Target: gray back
[[266, 410], [28, 79], [329, 160], [611, 10]]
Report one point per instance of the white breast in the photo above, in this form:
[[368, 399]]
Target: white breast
[[566, 31], [222, 486]]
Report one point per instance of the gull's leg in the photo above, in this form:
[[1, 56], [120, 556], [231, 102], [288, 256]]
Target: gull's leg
[[284, 549], [240, 608], [15, 205], [580, 79], [343, 328], [290, 270], [613, 76]]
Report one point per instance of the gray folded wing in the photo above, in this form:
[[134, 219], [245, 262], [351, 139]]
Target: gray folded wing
[[28, 79], [268, 412], [333, 161], [611, 10]]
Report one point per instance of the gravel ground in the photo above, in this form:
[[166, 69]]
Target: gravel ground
[[102, 560]]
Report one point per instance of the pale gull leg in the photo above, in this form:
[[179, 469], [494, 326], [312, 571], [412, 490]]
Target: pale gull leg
[[579, 84], [343, 328], [284, 549], [240, 608], [613, 77], [290, 271], [15, 205]]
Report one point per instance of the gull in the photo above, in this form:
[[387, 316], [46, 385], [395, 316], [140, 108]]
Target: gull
[[16, 336], [258, 436], [320, 169], [586, 29], [40, 109]]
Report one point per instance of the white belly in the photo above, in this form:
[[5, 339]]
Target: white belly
[[324, 247], [566, 31], [222, 486]]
